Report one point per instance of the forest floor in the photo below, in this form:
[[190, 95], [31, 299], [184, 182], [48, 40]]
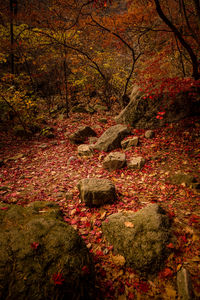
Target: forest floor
[[43, 169]]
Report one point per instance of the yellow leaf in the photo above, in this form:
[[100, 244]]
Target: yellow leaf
[[170, 293], [178, 267], [118, 260], [129, 224]]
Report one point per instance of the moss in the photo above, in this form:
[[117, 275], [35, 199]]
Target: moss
[[144, 244], [26, 271]]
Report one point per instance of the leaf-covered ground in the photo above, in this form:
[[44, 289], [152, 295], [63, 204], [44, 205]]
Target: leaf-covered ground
[[49, 170]]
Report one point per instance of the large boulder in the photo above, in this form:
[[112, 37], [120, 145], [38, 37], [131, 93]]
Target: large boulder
[[111, 138], [114, 161], [82, 134], [143, 112], [96, 191], [42, 257], [140, 237]]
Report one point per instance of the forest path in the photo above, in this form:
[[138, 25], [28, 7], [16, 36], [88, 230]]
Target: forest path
[[43, 169]]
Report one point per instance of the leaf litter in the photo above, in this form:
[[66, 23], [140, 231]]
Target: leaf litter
[[49, 173]]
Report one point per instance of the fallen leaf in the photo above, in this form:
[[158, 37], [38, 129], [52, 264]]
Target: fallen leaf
[[118, 260], [129, 224], [170, 292]]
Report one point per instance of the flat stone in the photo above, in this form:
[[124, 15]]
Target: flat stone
[[85, 150], [184, 284], [82, 134], [96, 191], [130, 142], [114, 161], [149, 134], [136, 163], [111, 138]]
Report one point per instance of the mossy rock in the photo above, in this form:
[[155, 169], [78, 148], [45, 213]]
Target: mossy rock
[[99, 107], [185, 179], [48, 132], [42, 257], [140, 237], [19, 131], [79, 109]]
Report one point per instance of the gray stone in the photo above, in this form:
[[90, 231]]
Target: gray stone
[[140, 237], [130, 142], [111, 138], [96, 191], [136, 163], [149, 134], [184, 284], [85, 150], [142, 111], [114, 160], [81, 135], [42, 257]]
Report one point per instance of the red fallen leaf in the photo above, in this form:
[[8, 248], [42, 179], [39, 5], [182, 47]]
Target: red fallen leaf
[[194, 219], [58, 278], [144, 287], [85, 270], [183, 238], [34, 245], [99, 253], [73, 222], [131, 296], [170, 245], [167, 272], [3, 208]]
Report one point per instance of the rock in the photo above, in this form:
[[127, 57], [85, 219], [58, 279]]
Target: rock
[[140, 237], [185, 179], [130, 142], [48, 132], [96, 191], [142, 112], [99, 107], [82, 134], [19, 131], [136, 163], [85, 150], [92, 140], [184, 284], [111, 138], [42, 257], [149, 134], [114, 160], [79, 109]]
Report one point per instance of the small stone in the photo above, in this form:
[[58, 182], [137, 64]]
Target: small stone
[[149, 134], [85, 150], [136, 163], [114, 161], [130, 142], [185, 291], [96, 191]]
